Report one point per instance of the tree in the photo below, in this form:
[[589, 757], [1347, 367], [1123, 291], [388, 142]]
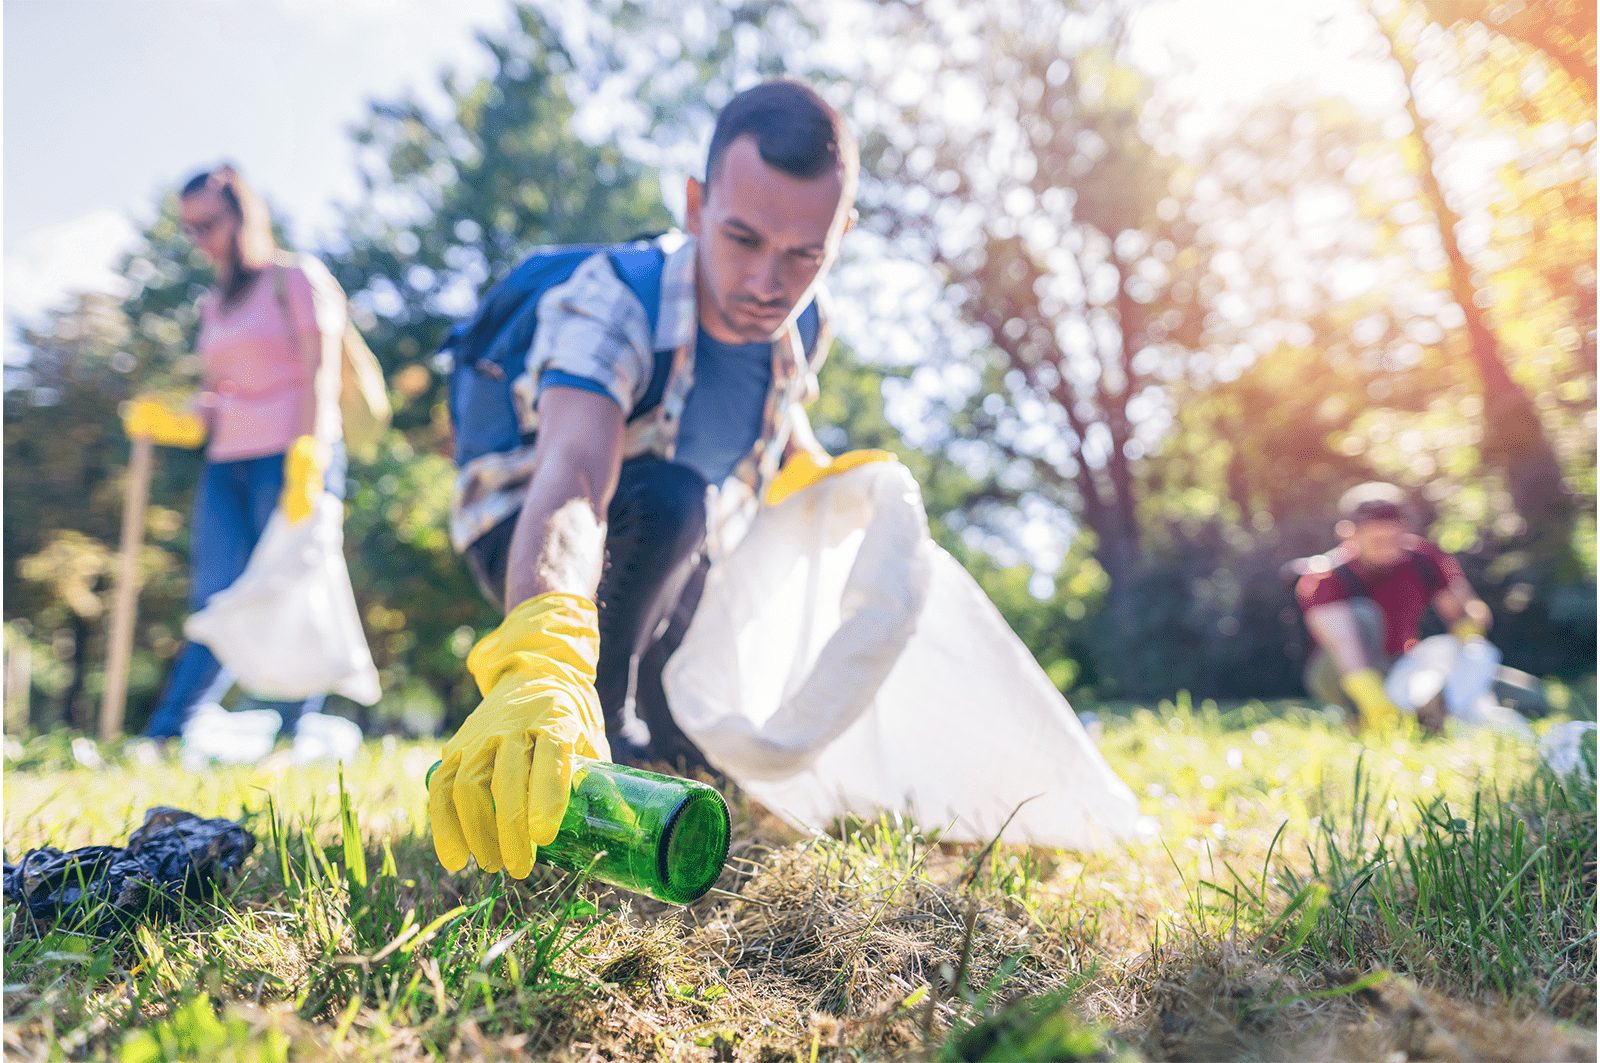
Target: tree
[[1564, 30], [1025, 173], [1514, 437], [1362, 365], [65, 463]]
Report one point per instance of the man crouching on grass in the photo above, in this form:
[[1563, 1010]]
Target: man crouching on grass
[[1364, 601], [590, 537]]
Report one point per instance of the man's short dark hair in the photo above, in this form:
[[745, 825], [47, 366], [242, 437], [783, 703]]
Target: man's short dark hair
[[794, 128]]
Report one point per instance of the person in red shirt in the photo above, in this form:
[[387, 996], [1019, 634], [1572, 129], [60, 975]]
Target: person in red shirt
[[1364, 601]]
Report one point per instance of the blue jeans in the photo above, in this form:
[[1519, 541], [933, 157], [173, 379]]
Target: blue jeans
[[232, 505]]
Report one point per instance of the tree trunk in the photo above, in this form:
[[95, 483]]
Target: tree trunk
[[1514, 439], [74, 707], [1117, 551]]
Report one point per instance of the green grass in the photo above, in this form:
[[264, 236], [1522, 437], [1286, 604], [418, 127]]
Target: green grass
[[1310, 897]]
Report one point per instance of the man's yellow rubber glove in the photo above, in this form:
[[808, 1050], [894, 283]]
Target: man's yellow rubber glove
[[1467, 629], [505, 779], [305, 468], [804, 469], [165, 426], [1366, 690]]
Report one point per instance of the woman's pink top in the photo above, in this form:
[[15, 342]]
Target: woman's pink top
[[254, 362]]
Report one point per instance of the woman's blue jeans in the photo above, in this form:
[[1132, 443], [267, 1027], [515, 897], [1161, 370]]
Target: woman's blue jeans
[[232, 505]]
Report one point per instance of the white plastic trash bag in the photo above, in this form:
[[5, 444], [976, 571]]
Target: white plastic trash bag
[[841, 663], [288, 627], [1463, 672], [1569, 750]]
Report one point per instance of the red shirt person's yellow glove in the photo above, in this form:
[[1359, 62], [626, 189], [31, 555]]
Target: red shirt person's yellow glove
[[1372, 701], [505, 779], [804, 469], [305, 469], [151, 418]]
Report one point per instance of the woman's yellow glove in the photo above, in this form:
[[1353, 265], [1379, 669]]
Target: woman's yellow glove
[[505, 779], [165, 426], [803, 469], [305, 468], [1372, 701]]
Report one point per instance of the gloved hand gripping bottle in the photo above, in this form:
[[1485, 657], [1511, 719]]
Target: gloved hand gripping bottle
[[646, 833], [537, 741]]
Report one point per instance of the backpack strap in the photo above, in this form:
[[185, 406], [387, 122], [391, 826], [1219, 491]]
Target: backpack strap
[[1428, 574], [280, 292], [1353, 584], [641, 268]]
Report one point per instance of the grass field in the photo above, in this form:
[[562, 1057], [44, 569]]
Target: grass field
[[1310, 897]]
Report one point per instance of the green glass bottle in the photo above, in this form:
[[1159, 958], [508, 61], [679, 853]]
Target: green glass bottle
[[646, 833]]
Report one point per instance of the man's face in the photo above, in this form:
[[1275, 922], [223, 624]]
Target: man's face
[[765, 239], [1377, 542]]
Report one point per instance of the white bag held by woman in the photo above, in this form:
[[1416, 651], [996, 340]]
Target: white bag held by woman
[[288, 627], [841, 663]]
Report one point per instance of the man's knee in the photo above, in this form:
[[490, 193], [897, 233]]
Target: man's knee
[[1322, 679], [486, 560], [1370, 622], [1521, 691]]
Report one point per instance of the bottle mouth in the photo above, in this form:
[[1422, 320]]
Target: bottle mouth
[[695, 846]]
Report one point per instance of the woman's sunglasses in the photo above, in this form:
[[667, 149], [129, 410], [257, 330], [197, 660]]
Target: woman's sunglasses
[[204, 227]]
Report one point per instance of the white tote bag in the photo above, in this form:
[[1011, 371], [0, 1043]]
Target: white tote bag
[[841, 663], [288, 627]]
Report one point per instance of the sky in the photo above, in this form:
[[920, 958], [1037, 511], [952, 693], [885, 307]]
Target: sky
[[109, 103]]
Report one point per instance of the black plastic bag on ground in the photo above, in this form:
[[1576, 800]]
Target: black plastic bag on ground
[[174, 854]]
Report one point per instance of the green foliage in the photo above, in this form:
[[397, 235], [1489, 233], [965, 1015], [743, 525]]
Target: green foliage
[[1501, 893], [1036, 1028], [196, 1032]]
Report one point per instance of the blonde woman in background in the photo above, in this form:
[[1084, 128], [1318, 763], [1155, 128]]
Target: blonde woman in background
[[269, 347]]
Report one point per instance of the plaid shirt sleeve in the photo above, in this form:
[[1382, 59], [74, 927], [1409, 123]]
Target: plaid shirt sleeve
[[593, 327]]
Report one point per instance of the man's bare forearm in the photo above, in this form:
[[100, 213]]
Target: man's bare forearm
[[1334, 628], [559, 540], [557, 546], [1459, 602]]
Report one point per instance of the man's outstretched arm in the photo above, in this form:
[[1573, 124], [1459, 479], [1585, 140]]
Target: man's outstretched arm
[[1461, 610], [1333, 626], [505, 779], [559, 541]]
